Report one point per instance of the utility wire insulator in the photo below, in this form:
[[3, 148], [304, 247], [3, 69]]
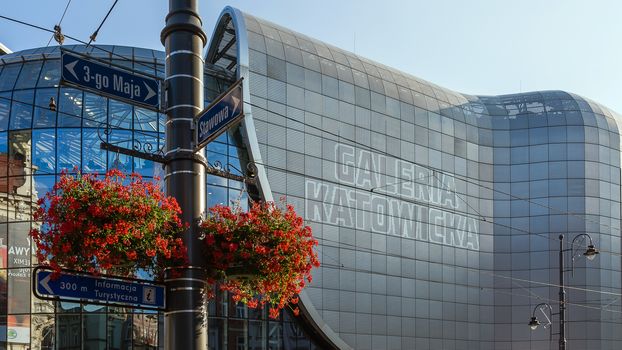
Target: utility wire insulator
[[58, 35]]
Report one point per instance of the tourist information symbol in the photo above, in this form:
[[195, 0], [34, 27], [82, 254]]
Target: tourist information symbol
[[113, 82], [224, 112], [77, 287]]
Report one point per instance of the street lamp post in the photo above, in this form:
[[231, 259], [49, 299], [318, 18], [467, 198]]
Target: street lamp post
[[590, 254], [562, 296]]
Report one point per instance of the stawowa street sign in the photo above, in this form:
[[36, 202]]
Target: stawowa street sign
[[224, 112], [113, 82], [80, 287]]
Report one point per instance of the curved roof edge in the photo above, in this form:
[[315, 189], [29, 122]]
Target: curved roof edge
[[4, 50], [310, 316], [403, 79]]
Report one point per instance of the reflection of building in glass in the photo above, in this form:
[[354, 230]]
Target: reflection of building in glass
[[18, 201], [437, 212]]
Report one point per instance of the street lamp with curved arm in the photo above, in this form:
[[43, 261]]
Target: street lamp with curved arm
[[534, 323], [590, 254], [591, 251]]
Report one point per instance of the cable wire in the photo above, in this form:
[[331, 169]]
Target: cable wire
[[478, 216], [461, 177], [59, 22], [94, 35], [464, 178], [487, 272], [157, 67]]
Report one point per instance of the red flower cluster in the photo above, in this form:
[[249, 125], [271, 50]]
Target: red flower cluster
[[270, 246], [117, 224]]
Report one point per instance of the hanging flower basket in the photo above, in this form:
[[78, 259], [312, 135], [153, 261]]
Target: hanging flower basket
[[263, 257], [117, 224]]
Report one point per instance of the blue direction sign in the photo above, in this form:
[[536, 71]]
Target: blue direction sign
[[221, 114], [76, 287], [113, 82]]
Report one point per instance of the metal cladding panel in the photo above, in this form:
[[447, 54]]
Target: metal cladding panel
[[420, 196]]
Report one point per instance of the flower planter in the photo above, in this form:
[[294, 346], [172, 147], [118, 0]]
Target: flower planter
[[239, 273], [117, 224], [263, 257]]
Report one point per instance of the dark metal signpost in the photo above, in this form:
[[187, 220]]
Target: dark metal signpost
[[113, 82], [78, 287], [220, 115], [185, 320]]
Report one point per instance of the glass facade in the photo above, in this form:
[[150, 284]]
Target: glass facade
[[37, 144], [437, 212]]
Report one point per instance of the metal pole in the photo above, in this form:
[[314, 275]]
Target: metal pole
[[562, 297], [185, 320]]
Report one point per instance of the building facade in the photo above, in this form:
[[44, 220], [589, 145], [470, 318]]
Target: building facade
[[438, 213]]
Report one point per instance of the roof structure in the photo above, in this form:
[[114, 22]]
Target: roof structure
[[4, 50]]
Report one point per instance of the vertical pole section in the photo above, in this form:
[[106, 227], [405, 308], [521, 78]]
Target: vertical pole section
[[185, 320], [562, 297]]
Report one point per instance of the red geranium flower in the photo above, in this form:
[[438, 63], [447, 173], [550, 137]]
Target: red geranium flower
[[269, 246], [115, 224]]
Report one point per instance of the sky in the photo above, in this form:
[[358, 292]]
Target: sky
[[479, 47]]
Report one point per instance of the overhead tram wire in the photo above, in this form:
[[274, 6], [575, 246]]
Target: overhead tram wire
[[460, 197], [505, 291], [461, 177], [101, 48], [538, 297], [532, 295], [59, 22], [425, 166], [94, 35], [487, 272], [477, 215]]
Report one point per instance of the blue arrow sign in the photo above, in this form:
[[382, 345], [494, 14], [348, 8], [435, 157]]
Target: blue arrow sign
[[76, 287], [113, 82], [221, 114]]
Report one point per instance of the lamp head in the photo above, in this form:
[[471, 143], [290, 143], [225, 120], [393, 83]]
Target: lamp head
[[534, 323], [591, 252]]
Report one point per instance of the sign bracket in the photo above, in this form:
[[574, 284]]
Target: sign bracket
[[144, 150], [132, 152]]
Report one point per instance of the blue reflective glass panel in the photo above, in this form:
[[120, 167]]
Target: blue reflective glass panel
[[50, 74], [93, 157], [29, 75], [69, 147], [44, 151]]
